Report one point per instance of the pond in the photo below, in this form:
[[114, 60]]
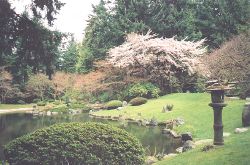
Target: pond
[[16, 125]]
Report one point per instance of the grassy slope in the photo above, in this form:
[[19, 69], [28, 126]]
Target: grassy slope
[[193, 108], [14, 106], [198, 116], [234, 152]]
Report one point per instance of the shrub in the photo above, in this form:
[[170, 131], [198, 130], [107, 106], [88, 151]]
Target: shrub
[[60, 108], [36, 100], [57, 102], [50, 100], [138, 101], [147, 90], [76, 143], [41, 103], [21, 102], [80, 106], [113, 104], [41, 86]]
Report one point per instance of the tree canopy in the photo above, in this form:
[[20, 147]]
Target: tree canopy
[[25, 44]]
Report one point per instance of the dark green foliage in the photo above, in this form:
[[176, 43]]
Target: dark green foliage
[[146, 89], [219, 20], [68, 59], [36, 100], [41, 103], [138, 101], [216, 21], [25, 44], [76, 143], [113, 104]]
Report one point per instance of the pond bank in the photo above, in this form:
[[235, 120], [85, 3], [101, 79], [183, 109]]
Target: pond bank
[[16, 110]]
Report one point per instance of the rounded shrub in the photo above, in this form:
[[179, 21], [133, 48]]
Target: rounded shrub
[[138, 101], [113, 104], [76, 143], [41, 103], [36, 100]]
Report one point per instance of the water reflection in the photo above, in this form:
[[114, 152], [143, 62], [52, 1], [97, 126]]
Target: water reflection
[[16, 125]]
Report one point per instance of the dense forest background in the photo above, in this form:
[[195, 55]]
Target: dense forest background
[[28, 48]]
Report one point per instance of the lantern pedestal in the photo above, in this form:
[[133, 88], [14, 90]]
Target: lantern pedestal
[[217, 97]]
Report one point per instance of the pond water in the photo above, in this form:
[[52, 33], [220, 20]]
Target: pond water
[[16, 125]]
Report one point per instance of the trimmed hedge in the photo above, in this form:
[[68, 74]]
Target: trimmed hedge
[[113, 104], [76, 143], [138, 101]]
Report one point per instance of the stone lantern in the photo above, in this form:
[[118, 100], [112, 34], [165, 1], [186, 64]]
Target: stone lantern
[[217, 91]]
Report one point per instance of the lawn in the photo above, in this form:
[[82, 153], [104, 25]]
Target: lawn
[[234, 152], [14, 106], [192, 107]]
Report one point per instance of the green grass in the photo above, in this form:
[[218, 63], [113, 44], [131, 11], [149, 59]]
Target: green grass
[[192, 107], [14, 106], [234, 152], [198, 117]]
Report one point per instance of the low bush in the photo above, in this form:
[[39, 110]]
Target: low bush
[[57, 102], [21, 102], [138, 101], [76, 143], [36, 100], [50, 100], [60, 108], [147, 90], [81, 106], [41, 103], [113, 104]]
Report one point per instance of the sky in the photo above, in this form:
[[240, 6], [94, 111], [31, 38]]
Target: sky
[[71, 18]]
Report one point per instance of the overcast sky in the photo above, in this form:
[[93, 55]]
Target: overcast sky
[[72, 17]]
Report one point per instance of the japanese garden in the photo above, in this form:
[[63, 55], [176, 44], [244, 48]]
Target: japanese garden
[[162, 82]]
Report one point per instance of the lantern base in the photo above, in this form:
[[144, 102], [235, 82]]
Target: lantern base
[[219, 143]]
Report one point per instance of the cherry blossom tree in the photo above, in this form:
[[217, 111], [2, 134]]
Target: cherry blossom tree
[[161, 58]]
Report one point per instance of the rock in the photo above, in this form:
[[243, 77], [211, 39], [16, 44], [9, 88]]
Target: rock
[[240, 130], [153, 122], [175, 135], [204, 141], [119, 108], [179, 121], [246, 115], [124, 103], [170, 133], [150, 160], [48, 113], [188, 145], [226, 134], [207, 148], [186, 136], [169, 155], [166, 131], [54, 113], [179, 150]]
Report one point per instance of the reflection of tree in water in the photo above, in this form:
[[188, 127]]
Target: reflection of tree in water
[[2, 122]]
